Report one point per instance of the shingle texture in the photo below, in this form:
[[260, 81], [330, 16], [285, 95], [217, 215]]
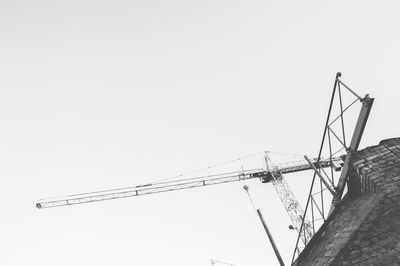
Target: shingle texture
[[365, 228]]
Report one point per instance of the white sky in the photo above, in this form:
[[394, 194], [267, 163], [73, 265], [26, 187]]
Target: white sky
[[103, 94]]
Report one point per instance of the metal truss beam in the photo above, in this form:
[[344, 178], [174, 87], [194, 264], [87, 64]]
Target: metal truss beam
[[355, 142]]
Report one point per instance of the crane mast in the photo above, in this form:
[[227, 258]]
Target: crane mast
[[289, 201]]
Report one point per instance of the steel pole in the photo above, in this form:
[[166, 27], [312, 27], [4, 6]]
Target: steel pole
[[278, 256]]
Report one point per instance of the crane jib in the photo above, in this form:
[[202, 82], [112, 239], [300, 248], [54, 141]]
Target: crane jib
[[265, 176]]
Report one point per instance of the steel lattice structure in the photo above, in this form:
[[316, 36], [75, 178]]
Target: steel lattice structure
[[331, 138], [264, 175]]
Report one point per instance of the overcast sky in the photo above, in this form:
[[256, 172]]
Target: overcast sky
[[104, 94]]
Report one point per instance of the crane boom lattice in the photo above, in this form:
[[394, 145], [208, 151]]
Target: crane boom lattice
[[289, 201], [262, 174]]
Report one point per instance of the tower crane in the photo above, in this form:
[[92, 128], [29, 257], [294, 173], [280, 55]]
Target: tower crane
[[271, 174], [215, 262]]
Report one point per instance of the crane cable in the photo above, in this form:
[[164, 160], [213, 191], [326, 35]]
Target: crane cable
[[227, 162]]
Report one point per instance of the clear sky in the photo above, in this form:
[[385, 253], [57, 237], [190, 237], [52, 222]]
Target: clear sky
[[103, 94]]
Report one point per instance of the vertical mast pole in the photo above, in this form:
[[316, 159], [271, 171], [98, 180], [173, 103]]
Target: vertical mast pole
[[271, 239]]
